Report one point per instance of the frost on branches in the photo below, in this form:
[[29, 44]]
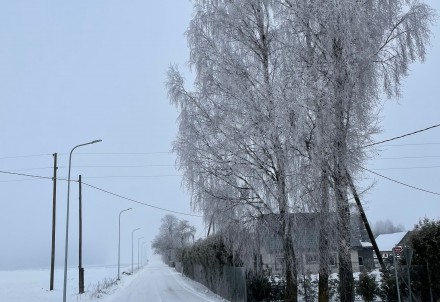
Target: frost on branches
[[285, 96]]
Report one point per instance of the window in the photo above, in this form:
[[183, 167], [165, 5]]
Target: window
[[279, 264], [361, 260], [332, 260], [311, 258]]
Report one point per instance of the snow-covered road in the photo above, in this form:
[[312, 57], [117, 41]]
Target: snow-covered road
[[154, 282], [160, 283]]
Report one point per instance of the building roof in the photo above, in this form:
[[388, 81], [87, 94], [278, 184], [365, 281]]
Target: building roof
[[366, 244], [386, 242]]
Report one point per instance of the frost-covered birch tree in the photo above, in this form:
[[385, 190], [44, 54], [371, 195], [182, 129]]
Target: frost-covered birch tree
[[173, 234], [168, 237], [356, 51], [238, 137], [285, 97]]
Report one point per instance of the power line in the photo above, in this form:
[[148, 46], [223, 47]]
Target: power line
[[27, 175], [408, 157], [31, 169], [133, 176], [401, 136], [20, 180], [139, 202], [122, 153], [125, 166], [102, 190], [24, 156], [401, 183], [94, 166], [90, 177], [412, 144], [407, 168]]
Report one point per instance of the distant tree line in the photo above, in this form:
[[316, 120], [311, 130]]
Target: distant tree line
[[386, 227]]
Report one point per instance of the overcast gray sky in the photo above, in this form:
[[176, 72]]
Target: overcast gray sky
[[76, 71]]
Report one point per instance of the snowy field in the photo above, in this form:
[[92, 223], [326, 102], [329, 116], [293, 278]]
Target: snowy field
[[153, 282], [33, 285]]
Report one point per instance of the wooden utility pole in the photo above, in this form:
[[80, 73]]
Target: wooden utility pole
[[366, 224], [54, 208], [211, 223], [81, 269]]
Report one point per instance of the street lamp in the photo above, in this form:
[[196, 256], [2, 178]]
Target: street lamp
[[119, 241], [67, 216], [142, 251], [132, 248], [138, 249]]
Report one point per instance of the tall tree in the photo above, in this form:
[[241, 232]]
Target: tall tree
[[173, 234], [425, 240], [237, 137], [284, 86], [355, 51], [185, 231]]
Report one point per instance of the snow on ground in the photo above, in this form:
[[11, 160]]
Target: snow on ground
[[153, 282], [158, 282], [33, 285]]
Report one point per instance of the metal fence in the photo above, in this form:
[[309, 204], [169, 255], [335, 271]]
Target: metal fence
[[228, 282]]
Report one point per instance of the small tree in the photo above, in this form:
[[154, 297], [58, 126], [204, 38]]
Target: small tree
[[367, 287], [308, 288], [425, 240], [173, 234], [387, 289]]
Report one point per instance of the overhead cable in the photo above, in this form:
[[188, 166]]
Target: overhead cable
[[408, 157], [401, 183], [123, 153], [28, 175], [24, 156], [133, 176], [401, 136], [105, 191], [407, 168], [139, 202]]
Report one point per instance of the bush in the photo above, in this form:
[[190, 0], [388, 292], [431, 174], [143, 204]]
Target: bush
[[308, 288], [264, 287], [259, 287], [100, 289], [367, 287], [387, 288], [333, 288]]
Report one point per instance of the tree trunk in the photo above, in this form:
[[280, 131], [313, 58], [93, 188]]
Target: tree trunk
[[291, 294], [324, 249], [346, 288], [341, 118]]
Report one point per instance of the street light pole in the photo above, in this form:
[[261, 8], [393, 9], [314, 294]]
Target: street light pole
[[54, 212], [132, 248], [138, 249], [81, 269], [142, 251], [119, 241], [67, 216]]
